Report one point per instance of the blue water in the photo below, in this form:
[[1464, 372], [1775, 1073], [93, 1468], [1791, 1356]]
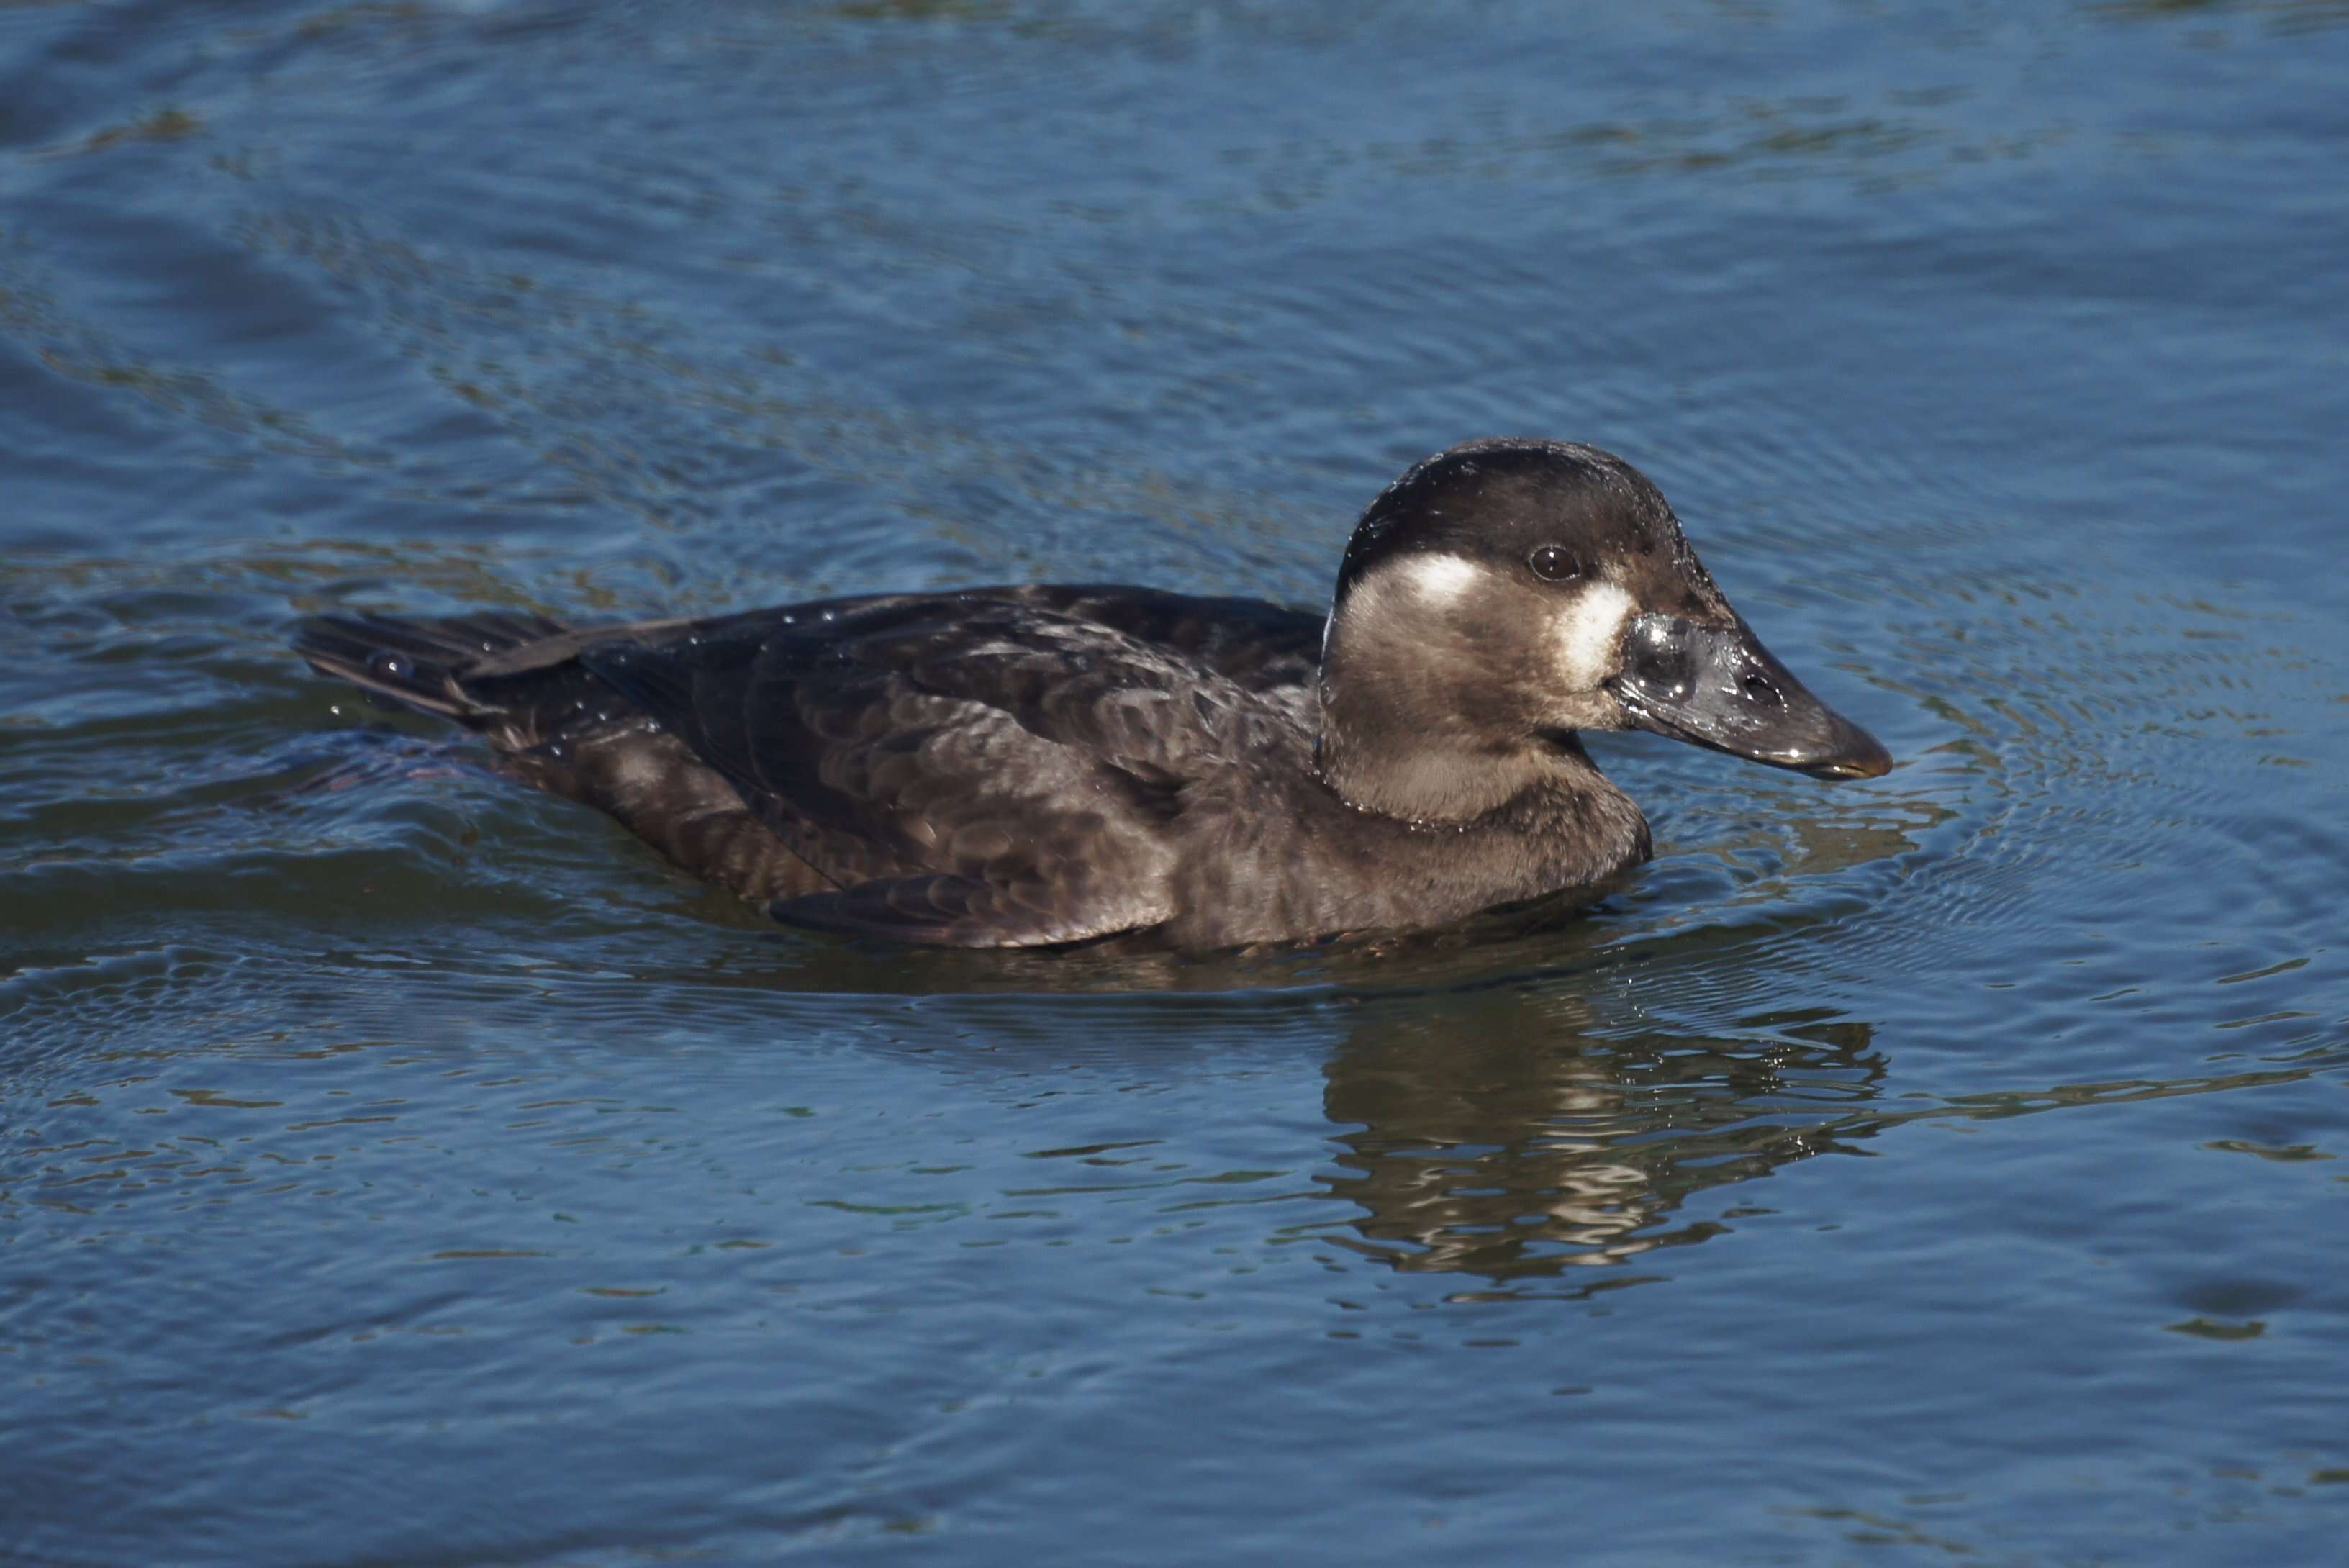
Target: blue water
[[400, 1168]]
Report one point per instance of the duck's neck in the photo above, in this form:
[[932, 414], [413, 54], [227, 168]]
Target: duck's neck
[[1414, 783], [1394, 743], [1542, 819]]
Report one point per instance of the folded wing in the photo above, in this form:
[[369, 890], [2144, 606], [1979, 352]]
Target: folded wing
[[967, 770]]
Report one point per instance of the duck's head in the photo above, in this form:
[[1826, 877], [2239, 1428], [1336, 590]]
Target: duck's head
[[1504, 593]]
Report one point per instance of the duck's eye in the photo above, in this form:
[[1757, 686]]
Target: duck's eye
[[1552, 564]]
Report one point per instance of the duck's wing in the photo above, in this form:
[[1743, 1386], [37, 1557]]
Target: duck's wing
[[1259, 646], [971, 771]]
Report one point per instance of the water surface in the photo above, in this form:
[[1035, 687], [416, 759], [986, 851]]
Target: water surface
[[398, 1168]]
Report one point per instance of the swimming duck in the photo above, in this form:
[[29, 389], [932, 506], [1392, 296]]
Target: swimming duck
[[1029, 766]]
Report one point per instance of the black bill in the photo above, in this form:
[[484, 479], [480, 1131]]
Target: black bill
[[1719, 686]]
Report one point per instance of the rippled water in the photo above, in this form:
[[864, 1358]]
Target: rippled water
[[397, 1167]]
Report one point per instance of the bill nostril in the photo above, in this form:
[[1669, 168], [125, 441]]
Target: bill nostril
[[1757, 688]]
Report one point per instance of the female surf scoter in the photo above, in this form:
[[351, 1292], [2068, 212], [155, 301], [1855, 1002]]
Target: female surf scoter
[[1018, 767]]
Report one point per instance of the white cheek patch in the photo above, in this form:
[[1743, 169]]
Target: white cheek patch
[[1441, 579], [1588, 633]]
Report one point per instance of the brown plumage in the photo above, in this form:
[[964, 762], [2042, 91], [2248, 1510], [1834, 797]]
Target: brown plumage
[[1040, 765]]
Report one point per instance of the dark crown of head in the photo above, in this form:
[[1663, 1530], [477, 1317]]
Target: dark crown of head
[[1444, 485]]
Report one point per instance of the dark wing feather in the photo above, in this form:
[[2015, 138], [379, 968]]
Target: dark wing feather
[[1008, 770], [1152, 710], [419, 663], [1259, 646]]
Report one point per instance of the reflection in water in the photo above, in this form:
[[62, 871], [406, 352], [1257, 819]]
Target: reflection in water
[[1518, 1133], [1513, 1137]]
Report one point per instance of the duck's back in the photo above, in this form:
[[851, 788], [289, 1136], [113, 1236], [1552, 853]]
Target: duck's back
[[986, 767]]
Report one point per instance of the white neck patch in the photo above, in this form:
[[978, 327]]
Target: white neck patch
[[1588, 631]]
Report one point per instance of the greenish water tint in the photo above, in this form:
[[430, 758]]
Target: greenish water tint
[[397, 1167]]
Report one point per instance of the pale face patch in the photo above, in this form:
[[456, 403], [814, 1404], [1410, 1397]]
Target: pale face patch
[[1440, 579], [1587, 637], [1400, 595]]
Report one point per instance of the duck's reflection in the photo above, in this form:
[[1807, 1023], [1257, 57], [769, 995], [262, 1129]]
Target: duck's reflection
[[1518, 1136], [1532, 1109]]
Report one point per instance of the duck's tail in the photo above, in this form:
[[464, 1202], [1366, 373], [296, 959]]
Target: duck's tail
[[419, 664]]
